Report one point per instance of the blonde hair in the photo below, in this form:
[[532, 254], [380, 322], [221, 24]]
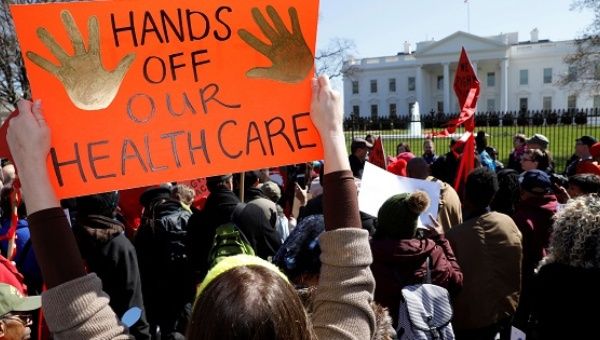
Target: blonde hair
[[576, 237], [184, 194]]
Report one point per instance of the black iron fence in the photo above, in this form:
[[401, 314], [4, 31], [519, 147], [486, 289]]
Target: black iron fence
[[561, 127]]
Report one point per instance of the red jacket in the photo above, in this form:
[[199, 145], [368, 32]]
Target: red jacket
[[398, 263], [10, 274]]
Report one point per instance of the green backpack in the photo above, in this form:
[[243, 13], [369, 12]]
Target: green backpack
[[229, 240]]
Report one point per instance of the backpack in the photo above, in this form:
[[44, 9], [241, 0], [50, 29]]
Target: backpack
[[425, 311], [229, 240]]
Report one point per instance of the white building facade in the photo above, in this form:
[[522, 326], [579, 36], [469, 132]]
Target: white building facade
[[513, 75]]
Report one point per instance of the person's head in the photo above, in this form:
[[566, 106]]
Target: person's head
[[428, 147], [583, 145], [417, 168], [508, 194], [184, 194], [251, 179], [360, 148], [245, 297], [369, 138], [271, 190], [576, 233], [538, 141], [16, 312], [222, 182], [104, 204], [402, 147], [535, 183], [398, 216], [583, 184], [298, 256], [162, 192], [519, 140], [534, 159], [480, 188], [481, 140]]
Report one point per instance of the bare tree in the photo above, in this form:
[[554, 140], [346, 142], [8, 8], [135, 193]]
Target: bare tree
[[330, 60], [584, 64]]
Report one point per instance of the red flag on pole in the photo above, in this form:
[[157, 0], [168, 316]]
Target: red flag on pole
[[466, 87], [377, 154]]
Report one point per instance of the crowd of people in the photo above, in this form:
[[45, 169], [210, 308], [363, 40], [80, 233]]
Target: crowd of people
[[518, 245]]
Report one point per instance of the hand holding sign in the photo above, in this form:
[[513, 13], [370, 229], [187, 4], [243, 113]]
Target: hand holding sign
[[289, 53], [88, 84]]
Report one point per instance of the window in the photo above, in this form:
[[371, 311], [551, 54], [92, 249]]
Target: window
[[392, 84], [440, 82], [440, 106], [355, 87], [491, 79], [547, 103], [596, 102], [572, 102], [523, 104], [412, 84], [374, 86], [356, 110], [491, 104], [572, 75], [547, 76], [374, 109], [393, 112], [523, 77]]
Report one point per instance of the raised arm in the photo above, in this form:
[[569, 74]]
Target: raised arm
[[75, 306], [342, 311]]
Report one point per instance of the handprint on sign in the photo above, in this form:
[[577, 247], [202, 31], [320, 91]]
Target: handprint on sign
[[291, 57], [88, 84]]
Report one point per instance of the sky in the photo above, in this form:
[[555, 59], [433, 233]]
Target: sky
[[380, 27]]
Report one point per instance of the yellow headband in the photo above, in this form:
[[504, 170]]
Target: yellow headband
[[231, 262]]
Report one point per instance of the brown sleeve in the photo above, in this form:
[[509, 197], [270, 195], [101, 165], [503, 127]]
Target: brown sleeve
[[340, 201], [55, 247]]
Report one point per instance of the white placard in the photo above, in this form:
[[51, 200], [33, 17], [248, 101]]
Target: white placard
[[378, 185], [516, 334]]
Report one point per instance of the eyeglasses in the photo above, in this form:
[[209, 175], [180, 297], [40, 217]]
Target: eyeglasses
[[24, 319], [526, 160]]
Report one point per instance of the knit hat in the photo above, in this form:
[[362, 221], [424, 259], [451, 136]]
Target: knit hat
[[272, 190], [536, 181], [11, 300], [587, 140], [398, 216]]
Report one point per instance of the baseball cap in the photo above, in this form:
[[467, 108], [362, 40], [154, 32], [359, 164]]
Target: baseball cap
[[535, 181], [587, 140], [538, 139], [11, 300]]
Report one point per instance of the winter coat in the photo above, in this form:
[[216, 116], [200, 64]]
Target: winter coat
[[261, 234], [110, 255], [399, 263]]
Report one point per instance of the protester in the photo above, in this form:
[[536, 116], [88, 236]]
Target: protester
[[401, 253], [578, 185], [508, 195], [565, 289], [77, 308], [15, 312], [185, 195], [273, 192], [446, 166], [582, 155], [488, 249], [533, 216], [110, 255], [450, 207], [359, 150], [514, 158], [481, 146], [536, 159], [429, 151]]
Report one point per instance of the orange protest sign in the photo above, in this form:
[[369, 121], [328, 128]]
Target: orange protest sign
[[137, 93]]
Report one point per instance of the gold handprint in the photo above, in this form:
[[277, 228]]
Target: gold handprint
[[88, 84], [291, 57]]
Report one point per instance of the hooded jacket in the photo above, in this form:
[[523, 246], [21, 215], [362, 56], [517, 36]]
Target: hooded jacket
[[110, 255], [399, 263]]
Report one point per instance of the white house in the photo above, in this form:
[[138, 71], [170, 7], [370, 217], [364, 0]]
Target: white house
[[512, 74]]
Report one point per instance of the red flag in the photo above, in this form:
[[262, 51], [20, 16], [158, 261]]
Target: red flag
[[377, 154]]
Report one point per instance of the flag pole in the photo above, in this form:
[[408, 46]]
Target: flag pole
[[468, 16]]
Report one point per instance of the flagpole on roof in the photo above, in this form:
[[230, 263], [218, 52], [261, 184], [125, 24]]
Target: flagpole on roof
[[468, 15]]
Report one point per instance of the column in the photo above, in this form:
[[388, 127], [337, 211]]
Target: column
[[504, 87], [419, 86], [446, 87]]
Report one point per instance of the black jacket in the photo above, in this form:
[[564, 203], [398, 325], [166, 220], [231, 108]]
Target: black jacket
[[110, 255]]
